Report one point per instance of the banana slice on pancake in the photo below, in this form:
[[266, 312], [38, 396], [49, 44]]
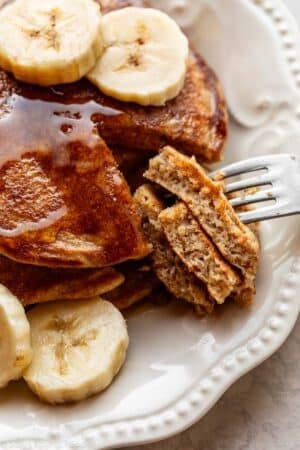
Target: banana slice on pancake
[[145, 57], [50, 42]]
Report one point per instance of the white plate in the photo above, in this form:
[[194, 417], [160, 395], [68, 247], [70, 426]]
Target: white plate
[[178, 365]]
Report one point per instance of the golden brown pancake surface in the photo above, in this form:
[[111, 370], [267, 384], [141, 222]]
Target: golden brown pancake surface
[[33, 284], [63, 201], [195, 121]]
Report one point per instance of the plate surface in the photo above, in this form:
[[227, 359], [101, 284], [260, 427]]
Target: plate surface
[[178, 366]]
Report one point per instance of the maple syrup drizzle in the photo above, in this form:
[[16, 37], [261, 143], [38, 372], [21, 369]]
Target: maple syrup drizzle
[[29, 124]]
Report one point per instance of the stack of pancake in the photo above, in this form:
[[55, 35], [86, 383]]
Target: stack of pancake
[[70, 159]]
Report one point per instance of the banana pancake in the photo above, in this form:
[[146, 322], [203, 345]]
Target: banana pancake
[[63, 201], [33, 284]]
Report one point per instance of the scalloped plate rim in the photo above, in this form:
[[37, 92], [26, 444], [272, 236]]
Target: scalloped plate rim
[[188, 409]]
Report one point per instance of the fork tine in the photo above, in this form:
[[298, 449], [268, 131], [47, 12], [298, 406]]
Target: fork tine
[[260, 196], [259, 214], [252, 164], [239, 168], [247, 183], [282, 173]]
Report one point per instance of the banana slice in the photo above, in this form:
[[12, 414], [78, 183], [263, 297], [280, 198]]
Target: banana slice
[[15, 347], [79, 346], [50, 42], [145, 57]]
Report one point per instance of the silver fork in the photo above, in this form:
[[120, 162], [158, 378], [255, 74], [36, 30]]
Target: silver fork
[[280, 182]]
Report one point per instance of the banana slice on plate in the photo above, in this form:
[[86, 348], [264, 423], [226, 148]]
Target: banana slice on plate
[[50, 42], [145, 56], [15, 347], [79, 346]]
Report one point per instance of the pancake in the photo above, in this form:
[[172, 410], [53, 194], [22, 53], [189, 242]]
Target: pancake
[[32, 284], [169, 268], [206, 201], [63, 201], [195, 122], [197, 252], [138, 284]]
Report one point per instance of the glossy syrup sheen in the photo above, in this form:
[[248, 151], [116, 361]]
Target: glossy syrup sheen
[[57, 177], [32, 121]]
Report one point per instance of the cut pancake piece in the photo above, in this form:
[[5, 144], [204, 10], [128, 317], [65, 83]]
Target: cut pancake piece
[[33, 284], [185, 178], [138, 284], [197, 251], [167, 265], [245, 291], [63, 201]]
